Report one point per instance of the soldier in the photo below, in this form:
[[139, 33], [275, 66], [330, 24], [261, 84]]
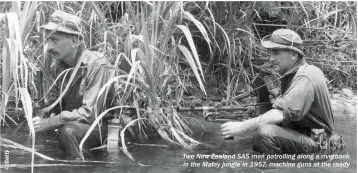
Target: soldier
[[301, 119], [65, 45]]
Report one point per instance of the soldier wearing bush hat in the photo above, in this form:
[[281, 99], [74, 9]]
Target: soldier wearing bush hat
[[301, 119], [285, 48], [64, 36], [87, 76]]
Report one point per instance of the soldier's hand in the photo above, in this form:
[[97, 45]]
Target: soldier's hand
[[230, 129], [40, 124], [41, 113]]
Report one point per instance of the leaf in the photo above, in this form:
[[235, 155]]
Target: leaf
[[93, 125], [14, 28], [27, 105], [2, 15], [212, 18], [132, 73], [105, 87], [226, 39], [200, 26], [18, 146], [4, 101], [165, 136], [180, 140], [99, 14], [47, 109], [125, 150], [189, 38], [6, 65], [191, 62], [15, 7], [239, 29], [169, 29], [27, 23]]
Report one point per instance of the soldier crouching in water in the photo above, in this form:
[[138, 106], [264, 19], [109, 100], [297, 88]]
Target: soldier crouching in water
[[301, 119], [64, 44]]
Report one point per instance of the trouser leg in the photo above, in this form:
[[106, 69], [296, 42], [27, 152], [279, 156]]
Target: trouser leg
[[271, 138], [71, 135]]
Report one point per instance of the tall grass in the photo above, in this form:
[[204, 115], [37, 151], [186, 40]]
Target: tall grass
[[327, 28], [15, 65], [153, 55]]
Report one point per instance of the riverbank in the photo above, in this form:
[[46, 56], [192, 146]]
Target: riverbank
[[344, 103]]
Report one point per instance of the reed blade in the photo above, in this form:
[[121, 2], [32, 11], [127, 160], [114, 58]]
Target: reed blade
[[27, 105]]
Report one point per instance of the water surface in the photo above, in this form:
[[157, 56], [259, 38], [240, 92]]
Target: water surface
[[171, 159]]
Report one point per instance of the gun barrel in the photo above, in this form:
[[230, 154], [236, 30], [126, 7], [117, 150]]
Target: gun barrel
[[207, 108]]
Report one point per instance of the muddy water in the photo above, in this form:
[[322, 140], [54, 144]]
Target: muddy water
[[162, 159]]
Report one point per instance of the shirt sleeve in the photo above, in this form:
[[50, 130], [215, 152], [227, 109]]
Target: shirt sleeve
[[96, 79], [296, 101]]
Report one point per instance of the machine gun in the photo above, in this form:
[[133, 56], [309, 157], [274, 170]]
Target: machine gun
[[224, 114]]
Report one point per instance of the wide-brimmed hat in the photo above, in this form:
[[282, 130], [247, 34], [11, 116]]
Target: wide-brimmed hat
[[283, 39], [64, 22]]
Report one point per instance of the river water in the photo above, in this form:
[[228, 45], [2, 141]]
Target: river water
[[177, 159]]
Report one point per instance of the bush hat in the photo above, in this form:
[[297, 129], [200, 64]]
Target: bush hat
[[64, 22], [283, 39]]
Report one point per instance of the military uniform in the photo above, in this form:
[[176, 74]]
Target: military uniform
[[76, 111], [308, 123]]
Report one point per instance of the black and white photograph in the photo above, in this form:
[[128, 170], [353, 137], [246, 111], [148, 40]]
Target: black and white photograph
[[178, 86]]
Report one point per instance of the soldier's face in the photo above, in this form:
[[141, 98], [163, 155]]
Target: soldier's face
[[59, 45], [282, 60]]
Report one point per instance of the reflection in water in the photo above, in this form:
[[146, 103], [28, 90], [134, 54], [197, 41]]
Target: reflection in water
[[173, 159]]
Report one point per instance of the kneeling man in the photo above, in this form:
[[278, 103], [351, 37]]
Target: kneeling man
[[301, 119]]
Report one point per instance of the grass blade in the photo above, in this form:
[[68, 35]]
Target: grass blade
[[99, 14], [191, 62], [94, 125], [200, 26], [27, 105], [47, 109], [190, 40], [19, 146], [125, 150]]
